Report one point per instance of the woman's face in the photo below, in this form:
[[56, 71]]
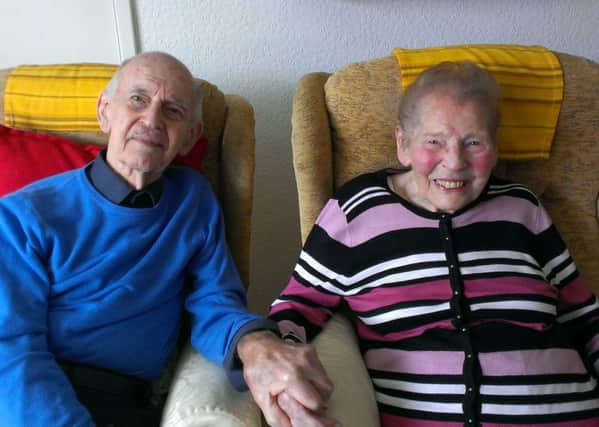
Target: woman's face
[[450, 152]]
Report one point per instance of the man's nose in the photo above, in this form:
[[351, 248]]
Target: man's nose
[[153, 116]]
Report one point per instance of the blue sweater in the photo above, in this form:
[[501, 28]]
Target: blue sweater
[[85, 280]]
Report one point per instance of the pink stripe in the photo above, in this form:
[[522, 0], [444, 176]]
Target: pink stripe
[[368, 334], [532, 362], [593, 345], [415, 362], [388, 420], [383, 219], [508, 285], [312, 294], [380, 297], [581, 423], [441, 290], [575, 292], [332, 220], [314, 315], [504, 208]]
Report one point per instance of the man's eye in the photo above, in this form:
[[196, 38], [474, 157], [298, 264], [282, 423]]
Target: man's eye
[[136, 99], [473, 142], [175, 113], [433, 142]]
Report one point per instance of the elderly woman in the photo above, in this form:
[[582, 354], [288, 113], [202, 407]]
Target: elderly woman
[[467, 304]]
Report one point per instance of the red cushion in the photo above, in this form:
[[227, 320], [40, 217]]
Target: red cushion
[[27, 156]]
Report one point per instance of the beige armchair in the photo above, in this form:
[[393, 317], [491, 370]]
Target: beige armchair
[[200, 394], [343, 125]]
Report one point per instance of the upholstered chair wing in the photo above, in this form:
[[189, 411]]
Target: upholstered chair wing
[[343, 125]]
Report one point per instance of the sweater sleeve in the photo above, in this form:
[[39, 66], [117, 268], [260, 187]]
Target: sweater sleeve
[[217, 301], [577, 306], [314, 290], [33, 389]]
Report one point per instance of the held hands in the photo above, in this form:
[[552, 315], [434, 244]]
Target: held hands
[[287, 381]]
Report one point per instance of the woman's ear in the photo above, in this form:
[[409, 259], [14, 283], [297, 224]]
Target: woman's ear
[[401, 146], [102, 112]]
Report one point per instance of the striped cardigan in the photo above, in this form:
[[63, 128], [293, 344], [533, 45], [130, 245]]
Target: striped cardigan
[[474, 318]]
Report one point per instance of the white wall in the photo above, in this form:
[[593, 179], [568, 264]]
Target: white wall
[[58, 31], [260, 48]]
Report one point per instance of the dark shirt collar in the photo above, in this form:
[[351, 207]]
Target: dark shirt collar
[[112, 186]]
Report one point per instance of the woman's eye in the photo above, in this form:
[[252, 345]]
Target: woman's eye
[[472, 142], [433, 142]]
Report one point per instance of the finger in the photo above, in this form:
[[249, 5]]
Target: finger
[[306, 394], [321, 381], [300, 416], [274, 415], [314, 371]]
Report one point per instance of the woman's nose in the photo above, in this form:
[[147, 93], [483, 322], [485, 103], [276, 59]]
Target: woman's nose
[[454, 157]]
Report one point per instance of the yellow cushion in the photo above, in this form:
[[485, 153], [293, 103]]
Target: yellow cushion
[[531, 81], [58, 98]]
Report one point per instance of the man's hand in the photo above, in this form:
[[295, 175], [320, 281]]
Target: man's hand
[[272, 367], [300, 416]]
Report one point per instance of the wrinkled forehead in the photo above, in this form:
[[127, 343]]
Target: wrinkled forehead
[[156, 74]]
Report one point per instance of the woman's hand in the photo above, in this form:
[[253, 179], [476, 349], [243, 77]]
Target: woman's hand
[[272, 367]]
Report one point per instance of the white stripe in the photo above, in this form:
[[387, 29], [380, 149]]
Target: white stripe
[[422, 388], [515, 305], [538, 389], [277, 302], [580, 312], [495, 268], [499, 189], [419, 405], [482, 255], [391, 278], [363, 199], [547, 268], [375, 269], [401, 313], [559, 277], [541, 409], [359, 194]]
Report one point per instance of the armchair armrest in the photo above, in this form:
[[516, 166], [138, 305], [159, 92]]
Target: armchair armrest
[[201, 396], [352, 402]]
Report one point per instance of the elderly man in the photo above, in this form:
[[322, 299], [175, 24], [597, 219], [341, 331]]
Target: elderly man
[[94, 266]]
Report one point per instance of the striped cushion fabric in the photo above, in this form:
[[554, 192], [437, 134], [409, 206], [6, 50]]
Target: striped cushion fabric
[[59, 98]]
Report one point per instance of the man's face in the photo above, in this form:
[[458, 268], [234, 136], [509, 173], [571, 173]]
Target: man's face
[[149, 118]]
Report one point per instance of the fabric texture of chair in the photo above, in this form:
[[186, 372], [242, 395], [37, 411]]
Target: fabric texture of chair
[[343, 125], [200, 391]]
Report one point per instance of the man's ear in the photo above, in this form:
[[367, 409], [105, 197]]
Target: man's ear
[[102, 112], [196, 133], [401, 146]]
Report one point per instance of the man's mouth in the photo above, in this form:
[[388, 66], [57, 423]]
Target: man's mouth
[[450, 184], [147, 141]]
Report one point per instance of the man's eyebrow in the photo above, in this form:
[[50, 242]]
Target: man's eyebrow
[[140, 89], [179, 103]]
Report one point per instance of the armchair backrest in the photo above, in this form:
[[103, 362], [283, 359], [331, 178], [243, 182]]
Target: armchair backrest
[[343, 125], [228, 162]]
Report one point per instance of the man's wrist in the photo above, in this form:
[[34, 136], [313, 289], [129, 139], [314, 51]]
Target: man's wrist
[[255, 341]]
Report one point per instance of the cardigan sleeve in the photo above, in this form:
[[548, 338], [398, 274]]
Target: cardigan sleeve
[[577, 306], [313, 292]]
